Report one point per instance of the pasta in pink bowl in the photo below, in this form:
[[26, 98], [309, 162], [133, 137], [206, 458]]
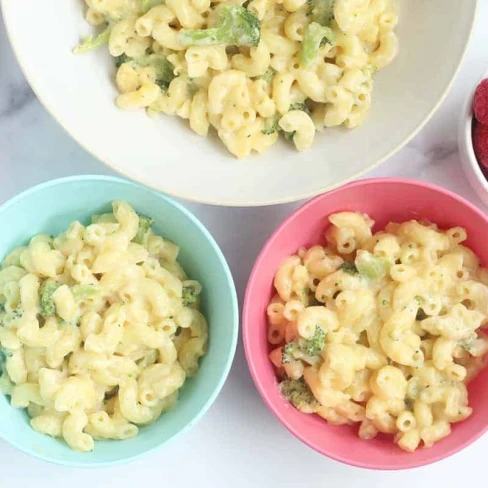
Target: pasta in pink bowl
[[364, 324]]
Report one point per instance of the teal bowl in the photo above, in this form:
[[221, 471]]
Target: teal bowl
[[48, 209]]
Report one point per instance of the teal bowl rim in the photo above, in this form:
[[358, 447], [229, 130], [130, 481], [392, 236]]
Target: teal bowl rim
[[235, 311]]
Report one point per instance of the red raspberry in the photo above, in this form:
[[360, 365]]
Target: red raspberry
[[480, 143], [480, 103]]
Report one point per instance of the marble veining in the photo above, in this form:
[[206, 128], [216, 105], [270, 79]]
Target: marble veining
[[18, 97]]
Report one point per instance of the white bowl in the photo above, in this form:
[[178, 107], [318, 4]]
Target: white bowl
[[164, 154], [466, 151]]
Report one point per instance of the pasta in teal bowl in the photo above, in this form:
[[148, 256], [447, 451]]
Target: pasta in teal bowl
[[117, 332]]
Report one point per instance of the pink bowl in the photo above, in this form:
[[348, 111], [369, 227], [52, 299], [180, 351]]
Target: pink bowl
[[385, 200]]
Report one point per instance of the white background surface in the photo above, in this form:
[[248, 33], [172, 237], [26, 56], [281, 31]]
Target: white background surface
[[238, 443]]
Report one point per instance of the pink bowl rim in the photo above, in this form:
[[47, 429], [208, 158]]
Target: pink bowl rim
[[248, 343]]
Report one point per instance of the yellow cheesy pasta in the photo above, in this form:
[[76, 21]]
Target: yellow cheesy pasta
[[381, 330], [99, 328], [248, 69]]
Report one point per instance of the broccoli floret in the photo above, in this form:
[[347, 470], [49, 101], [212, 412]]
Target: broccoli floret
[[81, 292], [268, 76], [270, 126], [349, 268], [163, 69], [322, 11], [145, 224], [90, 43], [4, 354], [48, 309], [306, 349], [313, 346], [298, 393], [236, 27], [299, 106], [315, 35], [371, 266], [290, 352], [122, 59], [288, 136], [189, 296]]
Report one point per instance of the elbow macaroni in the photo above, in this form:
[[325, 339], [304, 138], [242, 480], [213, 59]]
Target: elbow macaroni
[[247, 93], [70, 347], [388, 343]]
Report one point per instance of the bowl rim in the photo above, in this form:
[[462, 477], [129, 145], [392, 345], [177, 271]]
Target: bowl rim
[[466, 135], [248, 203], [234, 308], [248, 343]]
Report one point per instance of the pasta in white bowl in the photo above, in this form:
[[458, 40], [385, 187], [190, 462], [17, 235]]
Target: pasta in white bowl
[[99, 328], [250, 70], [381, 330], [163, 154]]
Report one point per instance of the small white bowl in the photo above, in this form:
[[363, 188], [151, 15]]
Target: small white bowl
[[470, 163]]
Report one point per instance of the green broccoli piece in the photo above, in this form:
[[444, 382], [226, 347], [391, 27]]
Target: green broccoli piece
[[322, 11], [313, 346], [299, 106], [164, 69], [48, 309], [145, 224], [306, 349], [189, 296], [371, 266], [349, 268], [122, 59], [270, 126], [4, 354], [290, 352], [268, 76], [288, 136], [298, 393], [81, 292], [90, 43], [236, 27], [315, 35]]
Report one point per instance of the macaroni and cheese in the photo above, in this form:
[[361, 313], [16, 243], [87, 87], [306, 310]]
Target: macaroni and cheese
[[99, 328], [381, 330], [251, 70]]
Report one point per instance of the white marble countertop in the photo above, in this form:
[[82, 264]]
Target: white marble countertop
[[238, 443]]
